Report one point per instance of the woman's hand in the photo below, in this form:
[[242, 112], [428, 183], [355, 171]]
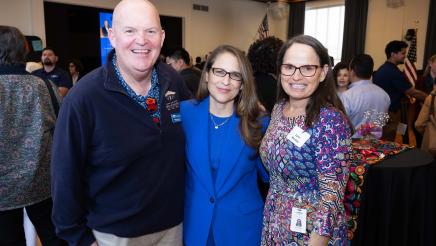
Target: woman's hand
[[94, 244]]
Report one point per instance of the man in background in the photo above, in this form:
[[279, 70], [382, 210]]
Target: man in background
[[362, 95], [118, 152], [198, 63], [392, 80], [180, 61], [53, 73]]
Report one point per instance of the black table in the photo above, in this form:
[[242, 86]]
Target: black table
[[398, 205]]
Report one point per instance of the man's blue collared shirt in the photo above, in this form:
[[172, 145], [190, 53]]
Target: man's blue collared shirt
[[363, 96]]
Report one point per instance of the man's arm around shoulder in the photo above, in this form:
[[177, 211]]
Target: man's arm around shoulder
[[68, 176]]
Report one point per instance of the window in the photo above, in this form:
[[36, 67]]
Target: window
[[326, 23]]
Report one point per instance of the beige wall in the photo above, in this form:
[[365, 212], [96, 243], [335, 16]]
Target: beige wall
[[27, 15], [203, 31], [386, 24], [236, 22], [232, 22], [228, 21]]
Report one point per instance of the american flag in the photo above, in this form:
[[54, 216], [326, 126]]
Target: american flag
[[263, 28], [409, 62]]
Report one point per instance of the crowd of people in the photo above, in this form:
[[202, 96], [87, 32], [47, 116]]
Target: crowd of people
[[146, 151]]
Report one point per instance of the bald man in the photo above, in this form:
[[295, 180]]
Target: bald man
[[118, 151]]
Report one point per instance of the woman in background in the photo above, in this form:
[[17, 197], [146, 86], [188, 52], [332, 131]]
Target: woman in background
[[427, 119], [340, 74], [425, 83], [428, 80], [263, 56], [306, 150], [76, 68], [104, 30], [223, 128], [27, 120]]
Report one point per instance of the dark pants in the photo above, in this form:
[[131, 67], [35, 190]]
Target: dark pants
[[12, 230]]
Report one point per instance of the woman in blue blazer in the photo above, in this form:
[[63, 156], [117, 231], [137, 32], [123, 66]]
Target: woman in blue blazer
[[223, 128]]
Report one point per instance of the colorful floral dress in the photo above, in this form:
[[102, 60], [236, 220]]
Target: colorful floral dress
[[312, 177]]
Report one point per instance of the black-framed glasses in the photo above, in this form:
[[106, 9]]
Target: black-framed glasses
[[222, 73], [305, 70]]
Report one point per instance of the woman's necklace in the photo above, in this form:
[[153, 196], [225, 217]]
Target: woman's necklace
[[216, 126]]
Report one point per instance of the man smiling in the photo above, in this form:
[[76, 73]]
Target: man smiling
[[118, 152]]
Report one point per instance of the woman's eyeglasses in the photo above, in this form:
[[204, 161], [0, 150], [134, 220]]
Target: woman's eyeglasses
[[222, 73], [305, 70]]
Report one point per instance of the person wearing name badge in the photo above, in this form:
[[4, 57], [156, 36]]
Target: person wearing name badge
[[223, 128], [118, 156], [306, 151]]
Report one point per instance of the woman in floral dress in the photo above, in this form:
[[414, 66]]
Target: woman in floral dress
[[306, 149]]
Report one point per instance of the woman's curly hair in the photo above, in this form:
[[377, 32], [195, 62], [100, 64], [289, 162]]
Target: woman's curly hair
[[263, 54]]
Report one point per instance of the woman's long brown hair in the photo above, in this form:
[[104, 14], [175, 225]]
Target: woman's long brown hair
[[325, 95], [246, 102]]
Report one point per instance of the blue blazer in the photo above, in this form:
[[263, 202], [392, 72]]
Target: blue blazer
[[233, 206]]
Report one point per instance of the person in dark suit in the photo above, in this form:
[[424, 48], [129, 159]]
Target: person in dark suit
[[223, 127]]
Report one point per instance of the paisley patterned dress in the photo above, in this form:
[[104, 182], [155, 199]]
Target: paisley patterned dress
[[312, 177], [27, 119]]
